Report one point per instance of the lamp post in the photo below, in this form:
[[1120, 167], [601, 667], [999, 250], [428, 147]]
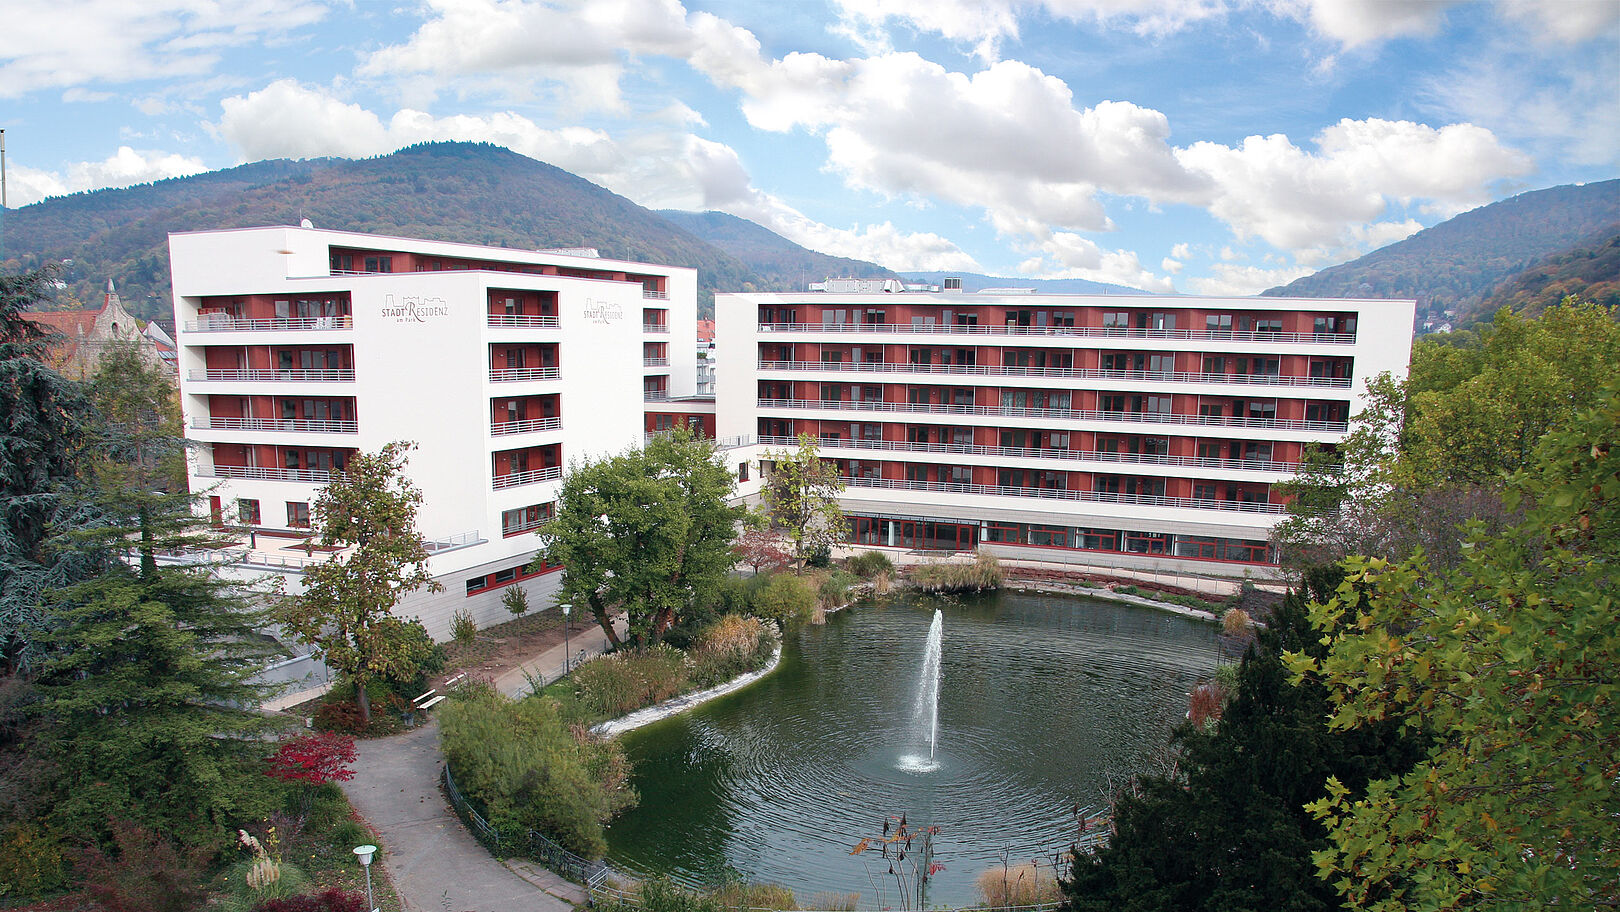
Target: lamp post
[[565, 609], [364, 853]]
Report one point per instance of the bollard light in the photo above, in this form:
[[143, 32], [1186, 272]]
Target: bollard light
[[364, 853], [565, 609]]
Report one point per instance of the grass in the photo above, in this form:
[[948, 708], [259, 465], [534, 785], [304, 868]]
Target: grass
[[982, 575], [1018, 885]]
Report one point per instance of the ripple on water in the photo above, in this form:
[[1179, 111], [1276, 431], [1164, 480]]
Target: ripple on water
[[1042, 699]]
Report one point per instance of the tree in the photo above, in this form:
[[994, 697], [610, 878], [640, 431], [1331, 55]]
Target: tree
[[1227, 830], [344, 612], [44, 428], [801, 495], [759, 547], [145, 687], [1507, 662], [314, 759], [648, 531]]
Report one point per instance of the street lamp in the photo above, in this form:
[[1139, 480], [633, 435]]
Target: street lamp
[[364, 853], [565, 609]]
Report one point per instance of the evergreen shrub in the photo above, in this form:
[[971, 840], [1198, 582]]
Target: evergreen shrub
[[869, 564]]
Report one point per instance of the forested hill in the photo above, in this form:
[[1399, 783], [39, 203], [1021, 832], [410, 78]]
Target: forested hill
[[474, 193], [1457, 264], [1590, 270], [780, 264]]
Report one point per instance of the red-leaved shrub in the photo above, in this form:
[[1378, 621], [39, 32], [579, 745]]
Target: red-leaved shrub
[[329, 900], [316, 759]]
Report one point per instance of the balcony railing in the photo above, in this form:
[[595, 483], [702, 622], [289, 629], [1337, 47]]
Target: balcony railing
[[533, 476], [1291, 424], [655, 362], [655, 327], [527, 425], [654, 294], [966, 449], [517, 374], [655, 395], [521, 320], [1092, 332], [226, 323], [1059, 372], [260, 473], [1059, 494], [289, 425], [344, 375], [452, 542]]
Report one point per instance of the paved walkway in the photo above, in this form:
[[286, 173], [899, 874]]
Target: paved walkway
[[436, 864]]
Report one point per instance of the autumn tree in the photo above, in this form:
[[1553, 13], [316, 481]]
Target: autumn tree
[[801, 496], [648, 532], [1507, 662], [368, 513]]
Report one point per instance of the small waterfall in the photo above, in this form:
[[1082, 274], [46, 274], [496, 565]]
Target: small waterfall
[[925, 712]]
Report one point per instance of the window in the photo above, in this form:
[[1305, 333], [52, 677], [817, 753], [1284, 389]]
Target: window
[[834, 392], [505, 576], [1218, 322], [247, 512], [1263, 410], [342, 262], [742, 471], [831, 357], [1268, 326], [1214, 365], [957, 474], [525, 519], [1116, 320], [1159, 405], [476, 584], [297, 515], [379, 264]]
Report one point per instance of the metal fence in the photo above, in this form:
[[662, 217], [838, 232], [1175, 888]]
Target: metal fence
[[531, 845]]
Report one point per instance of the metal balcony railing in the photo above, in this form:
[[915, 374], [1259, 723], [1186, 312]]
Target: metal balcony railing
[[528, 425], [1060, 494], [654, 294], [260, 473], [655, 327], [533, 476], [655, 395], [343, 375], [226, 323], [508, 320], [1090, 332], [655, 362], [964, 449], [1068, 373], [518, 374], [288, 425], [1061, 414]]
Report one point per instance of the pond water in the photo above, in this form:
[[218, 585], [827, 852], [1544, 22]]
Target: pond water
[[1041, 699]]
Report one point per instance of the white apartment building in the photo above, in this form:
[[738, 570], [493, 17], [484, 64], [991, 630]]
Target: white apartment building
[[1144, 432], [299, 347]]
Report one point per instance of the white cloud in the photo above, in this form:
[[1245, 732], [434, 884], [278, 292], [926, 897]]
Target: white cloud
[[124, 168], [1239, 279], [1173, 267], [1077, 257], [1352, 23], [66, 43], [1564, 21], [1181, 251]]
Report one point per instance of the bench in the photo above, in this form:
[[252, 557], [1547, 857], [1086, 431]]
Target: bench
[[453, 681], [431, 703], [418, 701]]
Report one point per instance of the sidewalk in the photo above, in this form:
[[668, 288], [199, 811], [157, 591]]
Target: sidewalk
[[436, 864], [548, 666]]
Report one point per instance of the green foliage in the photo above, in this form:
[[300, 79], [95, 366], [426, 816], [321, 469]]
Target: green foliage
[[1587, 271], [623, 682], [33, 861], [1507, 662], [801, 496], [658, 894], [47, 426], [515, 599], [666, 540], [1226, 829], [344, 611], [786, 599], [834, 590], [526, 769], [982, 575], [869, 564], [463, 628], [733, 645]]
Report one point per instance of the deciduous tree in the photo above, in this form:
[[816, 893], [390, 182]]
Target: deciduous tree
[[1508, 663], [647, 531], [345, 610], [801, 495]]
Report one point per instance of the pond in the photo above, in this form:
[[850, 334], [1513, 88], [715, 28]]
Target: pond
[[1042, 701]]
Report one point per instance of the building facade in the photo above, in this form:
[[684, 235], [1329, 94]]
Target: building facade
[[299, 347], [1146, 432]]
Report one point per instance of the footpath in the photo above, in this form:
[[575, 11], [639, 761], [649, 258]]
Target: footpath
[[437, 866]]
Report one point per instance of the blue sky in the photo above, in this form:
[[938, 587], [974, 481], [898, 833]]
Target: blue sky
[[1200, 146]]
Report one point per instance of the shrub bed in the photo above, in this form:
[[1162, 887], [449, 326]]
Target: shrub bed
[[624, 682], [982, 575]]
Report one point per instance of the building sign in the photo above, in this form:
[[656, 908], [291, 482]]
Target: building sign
[[414, 308], [603, 312]]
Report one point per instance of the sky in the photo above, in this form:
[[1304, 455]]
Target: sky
[[1194, 146]]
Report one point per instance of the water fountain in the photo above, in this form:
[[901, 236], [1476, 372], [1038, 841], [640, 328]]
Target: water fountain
[[925, 710]]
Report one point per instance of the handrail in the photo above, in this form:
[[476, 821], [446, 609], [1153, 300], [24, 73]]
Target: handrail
[[655, 327], [226, 323], [1063, 494], [654, 294], [299, 425], [655, 362], [520, 320], [1060, 372], [339, 375], [531, 844], [964, 449], [1090, 332], [533, 476], [261, 473], [655, 395], [503, 428], [1056, 413], [516, 374]]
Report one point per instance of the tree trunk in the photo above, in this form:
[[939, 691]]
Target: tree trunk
[[601, 613], [363, 699]]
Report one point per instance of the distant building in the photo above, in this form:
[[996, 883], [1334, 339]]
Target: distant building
[[87, 334], [705, 358]]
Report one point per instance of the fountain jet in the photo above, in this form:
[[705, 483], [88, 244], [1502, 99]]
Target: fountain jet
[[925, 714]]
